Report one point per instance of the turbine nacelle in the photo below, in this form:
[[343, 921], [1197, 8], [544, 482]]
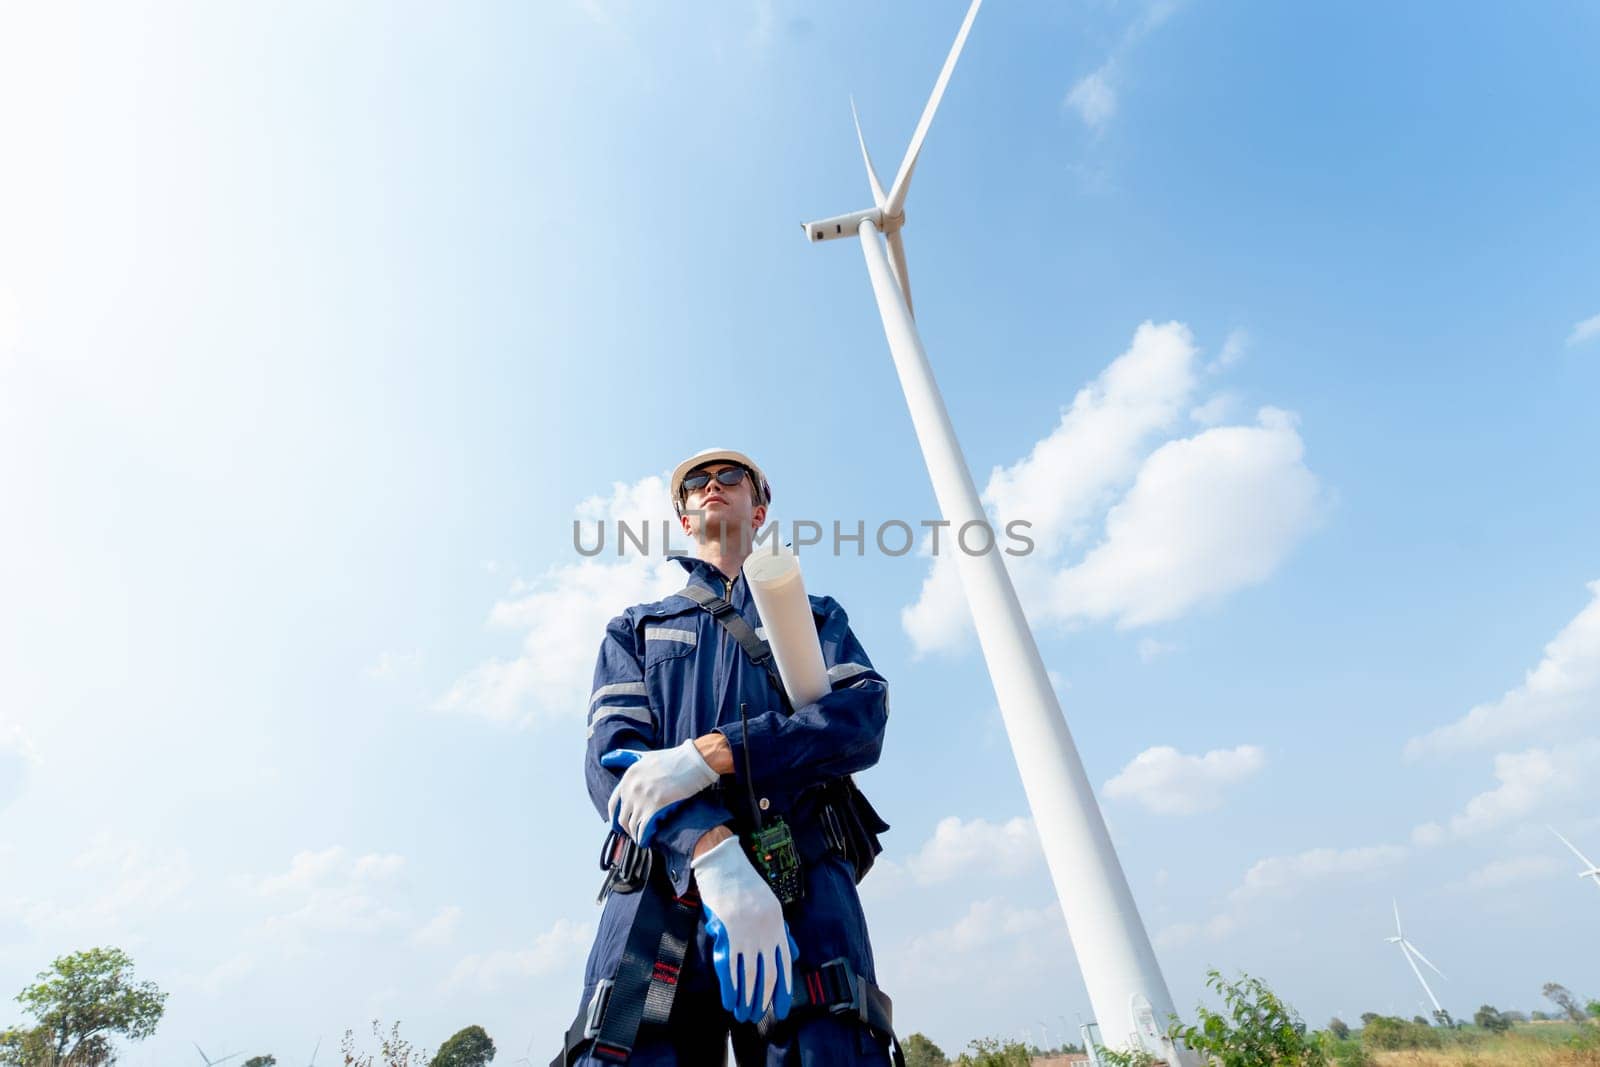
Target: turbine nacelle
[[850, 225]]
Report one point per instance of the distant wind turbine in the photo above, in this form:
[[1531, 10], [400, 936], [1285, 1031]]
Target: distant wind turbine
[[1592, 872], [314, 1051], [209, 1061], [1409, 951]]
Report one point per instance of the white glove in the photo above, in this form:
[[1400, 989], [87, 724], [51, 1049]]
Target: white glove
[[654, 781], [751, 949]]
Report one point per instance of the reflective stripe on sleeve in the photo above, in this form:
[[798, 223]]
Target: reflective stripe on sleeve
[[840, 671], [618, 711], [617, 689], [666, 633]]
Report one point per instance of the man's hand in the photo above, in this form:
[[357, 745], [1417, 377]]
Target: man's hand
[[652, 783], [713, 748], [710, 839]]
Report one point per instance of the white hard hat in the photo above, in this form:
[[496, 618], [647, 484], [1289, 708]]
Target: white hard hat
[[718, 455]]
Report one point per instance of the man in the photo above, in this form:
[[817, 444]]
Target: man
[[693, 753]]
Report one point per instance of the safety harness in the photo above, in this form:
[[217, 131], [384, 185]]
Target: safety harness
[[652, 957]]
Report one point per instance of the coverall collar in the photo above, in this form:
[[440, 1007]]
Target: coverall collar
[[705, 574]]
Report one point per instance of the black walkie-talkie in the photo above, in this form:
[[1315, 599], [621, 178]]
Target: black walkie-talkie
[[772, 848]]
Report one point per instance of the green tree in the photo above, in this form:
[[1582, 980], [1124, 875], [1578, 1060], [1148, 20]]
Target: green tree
[[1134, 1057], [1490, 1018], [1562, 998], [469, 1047], [1254, 1029], [1338, 1028], [1368, 1016], [84, 1000], [261, 1061], [24, 1048], [921, 1052], [1593, 1008], [393, 1050], [992, 1052]]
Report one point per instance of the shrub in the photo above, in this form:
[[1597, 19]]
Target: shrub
[[1254, 1029], [1386, 1032]]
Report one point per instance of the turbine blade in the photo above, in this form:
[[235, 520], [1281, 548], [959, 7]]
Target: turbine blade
[[1424, 959], [902, 180], [1397, 929], [866, 157], [897, 260], [202, 1052], [1587, 862], [1406, 950]]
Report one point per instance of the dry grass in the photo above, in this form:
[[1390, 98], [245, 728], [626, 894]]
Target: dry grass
[[1524, 1047]]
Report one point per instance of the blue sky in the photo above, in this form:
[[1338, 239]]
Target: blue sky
[[317, 330]]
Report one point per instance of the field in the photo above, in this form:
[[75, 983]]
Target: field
[[1526, 1045]]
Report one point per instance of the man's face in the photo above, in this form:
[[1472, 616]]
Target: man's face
[[729, 508]]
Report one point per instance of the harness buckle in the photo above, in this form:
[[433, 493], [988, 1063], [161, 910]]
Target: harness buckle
[[841, 989], [597, 1008]]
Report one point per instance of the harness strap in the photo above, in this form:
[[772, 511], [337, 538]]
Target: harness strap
[[836, 989], [728, 617], [645, 983]]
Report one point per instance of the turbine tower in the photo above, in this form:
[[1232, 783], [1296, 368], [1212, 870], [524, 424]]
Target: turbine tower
[[1409, 951], [1592, 872], [1129, 996]]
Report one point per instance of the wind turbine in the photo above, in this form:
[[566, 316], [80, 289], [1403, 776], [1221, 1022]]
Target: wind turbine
[[1593, 872], [209, 1061], [1119, 965], [1409, 951], [314, 1051]]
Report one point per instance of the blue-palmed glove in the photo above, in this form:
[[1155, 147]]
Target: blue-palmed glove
[[653, 782], [751, 949]]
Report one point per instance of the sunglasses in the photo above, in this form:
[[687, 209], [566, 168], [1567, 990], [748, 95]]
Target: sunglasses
[[728, 476]]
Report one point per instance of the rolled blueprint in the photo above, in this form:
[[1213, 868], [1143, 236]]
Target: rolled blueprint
[[780, 595]]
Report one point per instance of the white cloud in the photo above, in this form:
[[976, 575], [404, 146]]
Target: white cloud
[[1281, 876], [1069, 477], [331, 867], [1199, 517], [565, 944], [1211, 930], [966, 846], [564, 612], [128, 883], [1207, 515], [1563, 688], [1499, 874], [1234, 347], [1094, 99], [1284, 874], [1215, 411], [1528, 781], [989, 928], [1168, 782], [332, 892], [1587, 330], [439, 930]]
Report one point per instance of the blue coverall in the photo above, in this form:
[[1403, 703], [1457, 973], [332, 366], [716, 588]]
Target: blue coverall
[[668, 672]]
